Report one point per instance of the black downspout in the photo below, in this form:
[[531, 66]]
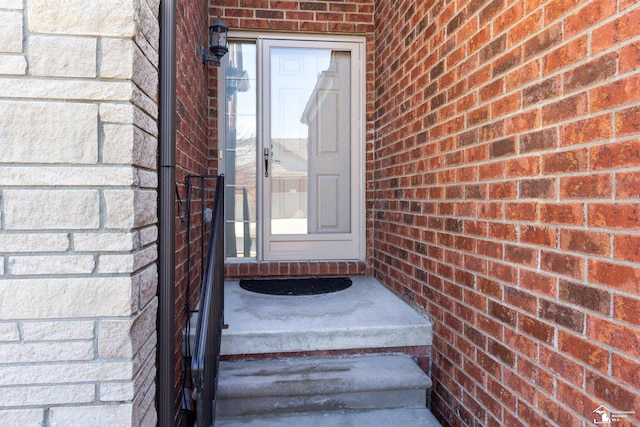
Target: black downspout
[[166, 216]]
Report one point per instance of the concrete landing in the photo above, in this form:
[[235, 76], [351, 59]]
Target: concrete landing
[[411, 417], [366, 315]]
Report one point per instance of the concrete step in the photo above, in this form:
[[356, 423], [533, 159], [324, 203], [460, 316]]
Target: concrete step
[[365, 315], [308, 384], [405, 417]]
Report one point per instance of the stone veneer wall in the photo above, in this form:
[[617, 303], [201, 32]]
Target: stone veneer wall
[[78, 203]]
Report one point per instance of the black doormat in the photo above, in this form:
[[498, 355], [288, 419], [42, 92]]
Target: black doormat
[[295, 286]]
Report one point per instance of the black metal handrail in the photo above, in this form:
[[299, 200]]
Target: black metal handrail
[[206, 358]]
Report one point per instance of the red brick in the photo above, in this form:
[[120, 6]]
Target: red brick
[[530, 25], [562, 315], [628, 121], [562, 213], [567, 108], [538, 140], [521, 255], [626, 309], [589, 242], [505, 20], [586, 130], [506, 105], [616, 155], [565, 55], [617, 216], [562, 366], [627, 248], [625, 369], [557, 412], [540, 188], [523, 122], [586, 351], [565, 162], [610, 393], [543, 41], [616, 31], [562, 263], [538, 282], [542, 91], [620, 92], [523, 75], [576, 399], [522, 211], [537, 329], [591, 298], [586, 187], [538, 235], [617, 276], [630, 57], [594, 12], [558, 8], [590, 73]]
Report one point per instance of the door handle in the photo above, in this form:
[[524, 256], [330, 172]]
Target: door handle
[[266, 162]]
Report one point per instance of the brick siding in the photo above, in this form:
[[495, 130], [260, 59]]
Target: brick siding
[[507, 165], [192, 158]]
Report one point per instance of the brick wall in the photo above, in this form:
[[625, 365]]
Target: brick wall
[[191, 159], [354, 17], [507, 171], [78, 89]]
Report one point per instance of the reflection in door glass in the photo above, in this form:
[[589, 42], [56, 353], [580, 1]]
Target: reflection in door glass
[[310, 141], [240, 150]]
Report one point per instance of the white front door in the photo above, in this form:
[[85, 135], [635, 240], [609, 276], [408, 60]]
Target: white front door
[[310, 146]]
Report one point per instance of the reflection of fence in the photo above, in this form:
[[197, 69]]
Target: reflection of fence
[[206, 357]]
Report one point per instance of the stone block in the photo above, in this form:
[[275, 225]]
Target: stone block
[[89, 176], [98, 17], [22, 417], [116, 113], [45, 352], [66, 90], [11, 4], [145, 74], [9, 332], [117, 415], [24, 242], [47, 395], [13, 65], [48, 132], [58, 264], [117, 392], [51, 298], [105, 242], [51, 209], [58, 330], [62, 56], [65, 373], [130, 208], [148, 235], [128, 263], [127, 144], [11, 32], [117, 58], [147, 179], [146, 283], [125, 338]]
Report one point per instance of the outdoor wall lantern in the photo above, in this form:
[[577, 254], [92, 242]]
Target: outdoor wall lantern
[[217, 42]]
